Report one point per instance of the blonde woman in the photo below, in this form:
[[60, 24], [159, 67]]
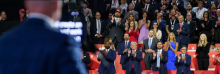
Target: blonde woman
[[202, 51], [171, 46], [109, 39], [130, 19]]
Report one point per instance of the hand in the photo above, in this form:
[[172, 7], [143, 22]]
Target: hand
[[119, 20], [200, 44], [161, 55], [87, 12], [82, 57], [216, 58], [143, 9], [179, 57], [203, 25], [150, 50], [154, 54], [113, 18], [156, 11], [134, 53], [184, 58], [178, 30], [104, 53], [135, 29], [107, 5], [125, 50], [201, 18], [129, 51]]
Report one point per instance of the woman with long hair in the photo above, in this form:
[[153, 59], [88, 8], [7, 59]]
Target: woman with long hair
[[202, 51], [133, 32], [206, 26], [158, 33], [109, 39], [130, 19], [144, 25], [171, 46]]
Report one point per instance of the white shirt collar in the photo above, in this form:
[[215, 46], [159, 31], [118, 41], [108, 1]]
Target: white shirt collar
[[127, 41], [43, 17], [134, 50], [183, 54], [182, 23], [134, 1], [159, 50]]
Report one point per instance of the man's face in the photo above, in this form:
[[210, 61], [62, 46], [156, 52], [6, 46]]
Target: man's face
[[131, 7], [147, 1], [200, 5], [163, 7], [189, 7], [126, 36], [159, 45], [117, 14], [133, 46], [189, 16], [151, 34], [180, 18], [97, 16], [107, 44], [159, 16], [84, 6], [183, 50], [173, 12], [21, 14]]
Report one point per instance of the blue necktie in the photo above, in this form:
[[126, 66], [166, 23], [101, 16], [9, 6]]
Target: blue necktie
[[99, 27], [116, 21], [158, 59], [149, 43]]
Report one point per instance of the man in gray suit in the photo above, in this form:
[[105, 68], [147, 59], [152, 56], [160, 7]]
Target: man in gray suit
[[116, 28], [88, 16], [149, 46], [131, 11]]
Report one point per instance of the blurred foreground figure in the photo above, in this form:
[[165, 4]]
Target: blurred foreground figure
[[35, 47]]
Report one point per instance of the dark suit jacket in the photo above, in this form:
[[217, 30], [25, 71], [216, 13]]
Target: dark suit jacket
[[86, 59], [34, 47], [146, 47], [99, 6], [203, 51], [180, 6], [150, 12], [93, 30], [111, 56], [192, 13], [183, 65], [217, 34], [208, 4], [136, 61], [192, 30], [163, 61], [121, 49], [184, 34], [208, 26], [110, 2], [116, 30]]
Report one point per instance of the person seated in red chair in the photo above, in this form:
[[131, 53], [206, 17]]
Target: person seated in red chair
[[133, 60], [217, 61], [159, 59], [183, 62], [107, 62]]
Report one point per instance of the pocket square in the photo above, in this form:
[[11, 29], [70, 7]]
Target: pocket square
[[84, 56]]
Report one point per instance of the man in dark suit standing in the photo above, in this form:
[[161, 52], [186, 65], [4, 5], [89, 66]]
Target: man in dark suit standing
[[163, 11], [99, 6], [123, 48], [159, 59], [182, 31], [86, 59], [170, 23], [34, 47], [189, 10], [137, 5], [149, 45], [193, 28], [149, 8], [112, 5], [217, 27], [98, 28], [210, 2], [109, 56], [183, 62], [179, 3], [116, 28], [133, 59]]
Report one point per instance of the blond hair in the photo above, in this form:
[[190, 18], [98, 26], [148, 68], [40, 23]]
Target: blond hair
[[174, 38], [205, 41]]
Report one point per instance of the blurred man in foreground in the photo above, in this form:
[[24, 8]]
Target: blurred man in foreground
[[35, 47]]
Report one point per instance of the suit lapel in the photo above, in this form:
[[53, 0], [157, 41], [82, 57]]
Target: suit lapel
[[147, 42]]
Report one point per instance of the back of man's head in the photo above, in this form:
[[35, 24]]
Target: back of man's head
[[50, 8]]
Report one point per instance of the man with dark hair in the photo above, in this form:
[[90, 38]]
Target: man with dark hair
[[159, 59], [149, 8], [183, 62], [193, 28], [189, 10], [123, 48], [170, 23], [149, 45]]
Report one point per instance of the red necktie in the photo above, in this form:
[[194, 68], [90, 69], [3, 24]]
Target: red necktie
[[180, 25], [107, 51], [132, 63]]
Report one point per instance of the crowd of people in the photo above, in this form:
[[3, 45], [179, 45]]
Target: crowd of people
[[123, 24]]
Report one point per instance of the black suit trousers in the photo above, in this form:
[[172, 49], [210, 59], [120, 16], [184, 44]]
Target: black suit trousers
[[203, 63]]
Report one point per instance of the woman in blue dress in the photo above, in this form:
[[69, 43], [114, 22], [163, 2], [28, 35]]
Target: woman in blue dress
[[171, 47]]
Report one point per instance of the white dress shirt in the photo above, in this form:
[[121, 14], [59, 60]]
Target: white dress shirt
[[199, 12], [134, 2], [47, 19], [147, 6]]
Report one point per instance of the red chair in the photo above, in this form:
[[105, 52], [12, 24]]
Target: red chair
[[152, 72], [171, 71], [198, 72], [120, 72], [93, 72], [192, 47], [208, 72]]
